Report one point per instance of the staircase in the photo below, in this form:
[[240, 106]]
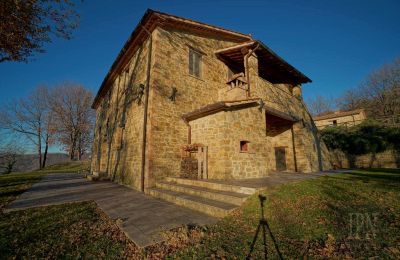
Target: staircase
[[213, 198]]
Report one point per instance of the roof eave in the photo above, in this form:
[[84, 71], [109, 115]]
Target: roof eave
[[292, 71], [304, 78], [139, 28]]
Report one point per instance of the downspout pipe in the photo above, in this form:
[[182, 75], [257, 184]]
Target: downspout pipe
[[146, 106], [246, 60], [294, 150]]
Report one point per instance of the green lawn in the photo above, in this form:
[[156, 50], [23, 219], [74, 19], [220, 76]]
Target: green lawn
[[76, 230], [353, 215], [78, 166]]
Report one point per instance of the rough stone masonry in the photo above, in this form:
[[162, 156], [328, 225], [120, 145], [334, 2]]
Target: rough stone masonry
[[233, 95]]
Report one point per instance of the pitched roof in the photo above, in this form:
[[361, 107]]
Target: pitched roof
[[235, 104], [271, 64], [152, 19], [336, 114], [219, 106]]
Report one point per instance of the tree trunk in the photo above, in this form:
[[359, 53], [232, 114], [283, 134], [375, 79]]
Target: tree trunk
[[79, 149], [39, 147], [45, 151], [71, 153], [72, 147]]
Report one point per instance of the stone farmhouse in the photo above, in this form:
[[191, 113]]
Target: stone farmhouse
[[342, 118], [192, 100]]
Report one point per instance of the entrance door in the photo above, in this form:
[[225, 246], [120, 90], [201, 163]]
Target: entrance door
[[202, 163], [280, 158]]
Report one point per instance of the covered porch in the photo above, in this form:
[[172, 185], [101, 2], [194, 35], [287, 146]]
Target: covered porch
[[238, 140]]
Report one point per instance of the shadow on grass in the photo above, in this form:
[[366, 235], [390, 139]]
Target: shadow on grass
[[263, 224], [352, 200], [381, 170], [380, 180]]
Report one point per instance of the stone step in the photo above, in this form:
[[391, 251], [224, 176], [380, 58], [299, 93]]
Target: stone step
[[223, 196], [97, 178], [91, 177], [211, 207], [212, 185]]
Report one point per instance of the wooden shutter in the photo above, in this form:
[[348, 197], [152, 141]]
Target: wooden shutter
[[191, 61], [194, 63]]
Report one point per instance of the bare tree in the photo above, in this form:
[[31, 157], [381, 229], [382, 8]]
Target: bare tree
[[379, 94], [319, 105], [9, 154], [49, 133], [31, 118], [74, 118], [350, 100], [27, 24], [381, 90]]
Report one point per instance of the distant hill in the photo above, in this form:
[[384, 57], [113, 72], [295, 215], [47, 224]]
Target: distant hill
[[29, 162]]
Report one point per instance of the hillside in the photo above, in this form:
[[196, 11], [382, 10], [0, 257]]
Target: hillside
[[29, 162]]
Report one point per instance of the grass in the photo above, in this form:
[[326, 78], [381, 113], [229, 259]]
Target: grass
[[73, 230], [76, 230], [78, 166], [353, 215]]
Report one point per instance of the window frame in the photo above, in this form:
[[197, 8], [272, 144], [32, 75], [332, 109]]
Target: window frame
[[191, 71]]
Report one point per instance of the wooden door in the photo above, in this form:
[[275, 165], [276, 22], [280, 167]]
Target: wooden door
[[202, 171], [280, 158]]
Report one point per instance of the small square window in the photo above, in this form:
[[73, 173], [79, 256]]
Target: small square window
[[194, 63], [334, 122], [244, 146]]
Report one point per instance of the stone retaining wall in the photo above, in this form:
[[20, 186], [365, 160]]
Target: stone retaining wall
[[386, 159]]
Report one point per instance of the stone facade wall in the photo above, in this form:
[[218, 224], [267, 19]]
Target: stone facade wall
[[386, 159], [307, 140], [222, 133], [168, 131], [118, 136], [117, 147], [350, 120]]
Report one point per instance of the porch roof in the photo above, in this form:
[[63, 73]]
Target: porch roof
[[271, 65], [235, 104]]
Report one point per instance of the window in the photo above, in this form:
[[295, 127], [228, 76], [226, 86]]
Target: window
[[194, 63], [334, 122], [244, 146]]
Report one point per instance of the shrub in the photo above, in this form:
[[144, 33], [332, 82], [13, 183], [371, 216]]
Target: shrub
[[367, 137]]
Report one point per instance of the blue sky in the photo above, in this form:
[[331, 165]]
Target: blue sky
[[335, 43]]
